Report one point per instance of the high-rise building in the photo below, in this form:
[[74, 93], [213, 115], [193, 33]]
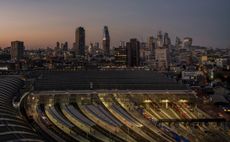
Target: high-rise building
[[106, 41], [178, 42], [90, 49], [57, 47], [161, 58], [159, 39], [94, 49], [152, 46], [166, 41], [120, 56], [65, 46], [79, 45], [144, 53], [122, 44], [187, 42], [133, 52], [17, 50], [151, 43], [97, 48]]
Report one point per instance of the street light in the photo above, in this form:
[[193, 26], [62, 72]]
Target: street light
[[139, 125], [183, 101], [147, 101], [166, 101]]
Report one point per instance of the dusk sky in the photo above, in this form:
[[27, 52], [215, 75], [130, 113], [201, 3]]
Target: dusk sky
[[41, 23]]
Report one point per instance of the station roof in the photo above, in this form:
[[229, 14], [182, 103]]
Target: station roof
[[12, 125], [108, 80]]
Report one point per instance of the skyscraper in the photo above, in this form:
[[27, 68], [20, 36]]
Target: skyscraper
[[178, 42], [133, 52], [65, 46], [161, 57], [79, 45], [17, 50], [58, 45], [90, 49], [150, 42], [120, 56], [152, 46], [159, 39], [57, 48], [187, 42], [106, 41], [167, 40]]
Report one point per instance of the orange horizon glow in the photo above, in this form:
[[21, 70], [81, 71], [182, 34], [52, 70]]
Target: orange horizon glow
[[41, 24]]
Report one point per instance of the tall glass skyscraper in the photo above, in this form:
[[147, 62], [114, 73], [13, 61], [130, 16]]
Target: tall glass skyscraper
[[106, 41], [79, 45], [133, 53]]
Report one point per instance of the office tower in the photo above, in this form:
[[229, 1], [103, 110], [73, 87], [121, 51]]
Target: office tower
[[144, 53], [133, 53], [178, 42], [91, 49], [187, 42], [151, 43], [159, 39], [57, 47], [79, 45], [106, 41], [152, 46], [96, 45], [65, 46], [120, 55], [97, 48], [122, 44], [166, 41], [161, 58], [143, 45], [17, 50]]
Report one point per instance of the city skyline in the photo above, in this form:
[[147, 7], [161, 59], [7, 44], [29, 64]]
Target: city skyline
[[42, 23]]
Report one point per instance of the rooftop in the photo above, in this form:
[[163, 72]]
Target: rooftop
[[108, 80], [12, 125]]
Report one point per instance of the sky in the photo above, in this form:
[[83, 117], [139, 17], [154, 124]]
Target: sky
[[41, 23]]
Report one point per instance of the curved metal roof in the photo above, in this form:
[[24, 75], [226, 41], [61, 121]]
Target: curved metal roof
[[12, 126]]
